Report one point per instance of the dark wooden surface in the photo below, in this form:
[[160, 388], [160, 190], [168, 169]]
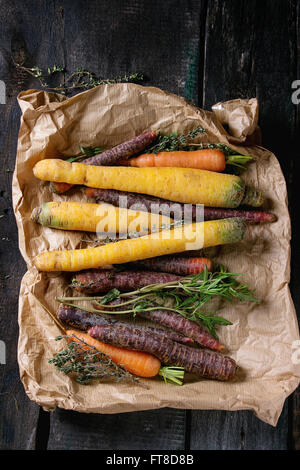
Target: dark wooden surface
[[208, 51]]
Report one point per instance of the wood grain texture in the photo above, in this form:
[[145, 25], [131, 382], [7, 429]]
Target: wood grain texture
[[293, 200], [250, 50], [158, 429], [208, 51], [26, 36], [118, 37], [237, 431]]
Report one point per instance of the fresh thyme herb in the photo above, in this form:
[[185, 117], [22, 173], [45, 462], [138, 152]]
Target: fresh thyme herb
[[88, 364], [79, 79], [188, 295], [173, 141]]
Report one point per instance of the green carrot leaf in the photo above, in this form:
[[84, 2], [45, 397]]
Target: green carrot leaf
[[172, 374]]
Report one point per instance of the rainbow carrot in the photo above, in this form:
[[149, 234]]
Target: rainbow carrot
[[157, 205], [182, 266], [201, 362], [205, 159], [176, 240], [178, 184], [137, 362], [113, 155]]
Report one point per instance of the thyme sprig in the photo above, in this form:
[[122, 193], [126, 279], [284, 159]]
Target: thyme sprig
[[88, 364], [188, 295], [174, 141], [78, 80]]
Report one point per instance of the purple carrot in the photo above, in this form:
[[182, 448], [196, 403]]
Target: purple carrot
[[189, 328], [204, 363], [172, 320], [113, 156], [172, 209], [122, 151], [97, 280], [83, 320], [182, 266], [77, 318]]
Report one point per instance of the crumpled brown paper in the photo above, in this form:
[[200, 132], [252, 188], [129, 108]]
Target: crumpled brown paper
[[241, 117], [262, 336]]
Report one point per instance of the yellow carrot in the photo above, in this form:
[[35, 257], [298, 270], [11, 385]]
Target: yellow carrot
[[176, 184], [182, 238], [100, 218]]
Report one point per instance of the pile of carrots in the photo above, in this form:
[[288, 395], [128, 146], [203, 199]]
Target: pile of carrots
[[157, 186]]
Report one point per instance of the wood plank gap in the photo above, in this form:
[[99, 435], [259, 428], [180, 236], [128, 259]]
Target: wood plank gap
[[188, 420], [42, 430], [202, 53]]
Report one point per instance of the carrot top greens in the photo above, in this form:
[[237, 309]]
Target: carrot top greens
[[86, 152], [188, 295]]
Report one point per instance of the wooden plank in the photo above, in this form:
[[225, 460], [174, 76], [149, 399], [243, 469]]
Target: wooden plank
[[143, 430], [295, 402], [118, 37], [26, 33], [296, 420], [162, 41], [250, 50], [221, 430]]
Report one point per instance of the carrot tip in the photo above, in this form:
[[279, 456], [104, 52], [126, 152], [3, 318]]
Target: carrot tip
[[272, 218]]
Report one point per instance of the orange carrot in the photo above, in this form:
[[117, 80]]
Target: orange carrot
[[205, 159], [60, 188], [139, 363]]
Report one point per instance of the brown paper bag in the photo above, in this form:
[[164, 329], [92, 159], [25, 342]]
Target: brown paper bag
[[262, 336]]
